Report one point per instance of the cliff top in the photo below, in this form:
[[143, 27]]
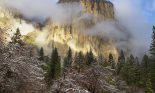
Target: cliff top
[[92, 1], [67, 1], [97, 1]]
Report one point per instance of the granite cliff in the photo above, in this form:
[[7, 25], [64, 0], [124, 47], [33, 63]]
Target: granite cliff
[[73, 34], [102, 8]]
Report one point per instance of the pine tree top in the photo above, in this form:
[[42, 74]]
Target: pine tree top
[[152, 47]]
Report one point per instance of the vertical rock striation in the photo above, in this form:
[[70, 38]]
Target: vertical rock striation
[[99, 7]]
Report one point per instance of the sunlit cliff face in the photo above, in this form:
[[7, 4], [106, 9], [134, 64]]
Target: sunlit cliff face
[[74, 35], [63, 36]]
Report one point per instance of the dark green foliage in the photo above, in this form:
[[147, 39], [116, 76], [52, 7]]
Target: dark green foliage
[[65, 63], [125, 71], [16, 39], [144, 68], [106, 63], [148, 88], [137, 71], [111, 61], [131, 60], [152, 47], [121, 62], [101, 60], [130, 71], [152, 59], [46, 59], [79, 61], [68, 59], [145, 64], [54, 67], [140, 74], [41, 54], [89, 58], [134, 73], [55, 64]]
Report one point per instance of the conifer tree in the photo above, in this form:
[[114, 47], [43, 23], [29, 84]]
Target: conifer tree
[[106, 63], [130, 71], [68, 59], [101, 60], [125, 71], [65, 63], [16, 39], [89, 57], [41, 54], [47, 60], [79, 61], [145, 64], [152, 58], [152, 47], [121, 62], [144, 69], [148, 86], [111, 61], [137, 71], [54, 66], [69, 56], [132, 60]]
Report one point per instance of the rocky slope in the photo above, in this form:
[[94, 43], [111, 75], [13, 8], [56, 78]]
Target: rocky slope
[[20, 70], [96, 79]]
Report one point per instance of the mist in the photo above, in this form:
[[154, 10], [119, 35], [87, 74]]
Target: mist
[[40, 10], [133, 32], [132, 17], [120, 36]]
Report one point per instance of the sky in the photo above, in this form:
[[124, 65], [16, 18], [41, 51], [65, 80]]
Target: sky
[[146, 7]]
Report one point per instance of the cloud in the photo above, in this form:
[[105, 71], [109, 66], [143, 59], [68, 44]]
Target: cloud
[[130, 14], [42, 9]]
